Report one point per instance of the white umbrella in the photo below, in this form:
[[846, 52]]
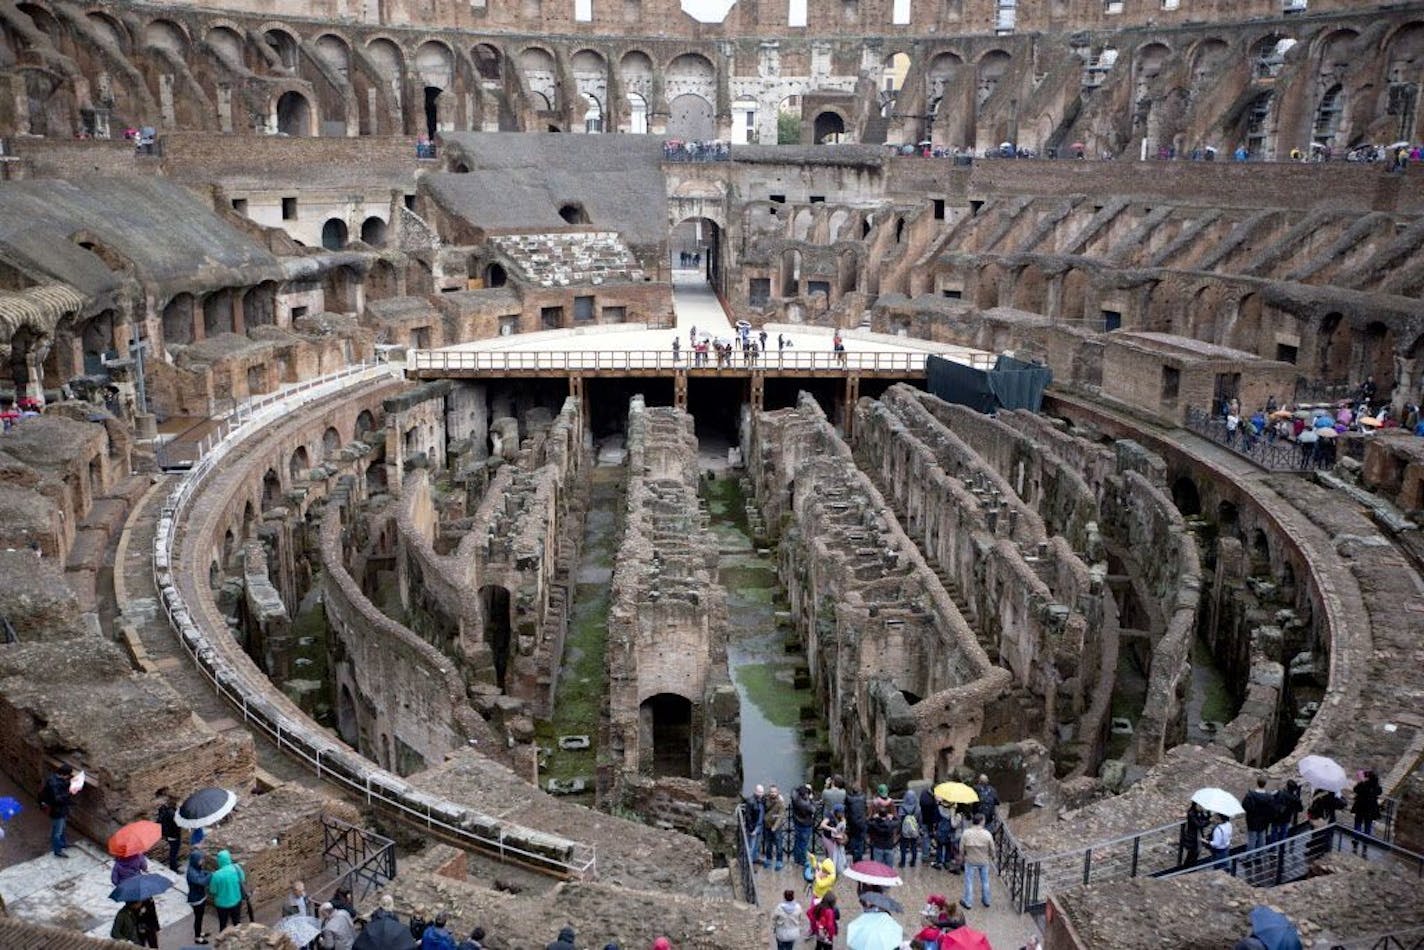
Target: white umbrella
[[1218, 801], [76, 783], [302, 930], [1320, 772], [1398, 145]]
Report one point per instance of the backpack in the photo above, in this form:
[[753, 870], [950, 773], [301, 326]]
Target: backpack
[[909, 827]]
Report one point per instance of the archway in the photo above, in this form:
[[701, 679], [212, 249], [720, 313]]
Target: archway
[[346, 717], [494, 604], [432, 111], [300, 463], [178, 320], [696, 244], [829, 128], [293, 115], [271, 490], [495, 275], [333, 234], [330, 442], [373, 231], [365, 423], [1186, 497], [665, 727]]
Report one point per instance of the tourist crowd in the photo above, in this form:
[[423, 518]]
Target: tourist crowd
[[1273, 816], [844, 825], [715, 150]]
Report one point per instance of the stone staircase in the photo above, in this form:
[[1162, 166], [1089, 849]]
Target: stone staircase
[[564, 259]]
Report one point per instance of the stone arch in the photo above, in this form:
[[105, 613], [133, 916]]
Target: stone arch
[[178, 320], [1186, 496], [228, 45], [790, 272], [111, 27], [1377, 346], [166, 34], [294, 114], [1030, 290], [986, 287], [1334, 347], [330, 443], [938, 75], [217, 312], [334, 51], [848, 269], [271, 490], [801, 225], [1246, 329], [495, 275], [1208, 56], [828, 127], [386, 56], [299, 464], [373, 231], [283, 43], [365, 422], [259, 305], [990, 70], [666, 735], [489, 63], [1073, 295], [434, 64], [1328, 112], [382, 281], [1148, 59], [540, 73], [334, 234], [839, 219]]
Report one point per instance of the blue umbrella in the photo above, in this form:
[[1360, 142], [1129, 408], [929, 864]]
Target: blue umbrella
[[9, 808], [1273, 929], [140, 888]]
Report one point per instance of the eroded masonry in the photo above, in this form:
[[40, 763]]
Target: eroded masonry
[[420, 473]]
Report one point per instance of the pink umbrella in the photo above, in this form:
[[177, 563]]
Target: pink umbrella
[[873, 872]]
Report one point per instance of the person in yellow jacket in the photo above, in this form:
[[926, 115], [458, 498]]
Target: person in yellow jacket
[[823, 877]]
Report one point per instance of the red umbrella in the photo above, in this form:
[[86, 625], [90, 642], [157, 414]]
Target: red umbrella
[[135, 838], [964, 938], [873, 872]]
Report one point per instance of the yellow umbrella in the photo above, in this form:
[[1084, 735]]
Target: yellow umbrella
[[1370, 422], [955, 793]]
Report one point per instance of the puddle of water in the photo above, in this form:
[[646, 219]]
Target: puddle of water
[[1208, 699], [773, 748]]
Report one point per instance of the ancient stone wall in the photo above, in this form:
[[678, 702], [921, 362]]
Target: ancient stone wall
[[672, 707], [899, 669], [1033, 602]]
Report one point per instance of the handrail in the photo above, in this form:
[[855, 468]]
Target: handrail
[[1273, 453], [331, 761], [497, 361], [745, 859]]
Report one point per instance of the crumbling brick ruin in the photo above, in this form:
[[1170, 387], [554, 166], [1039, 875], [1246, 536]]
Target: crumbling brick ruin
[[672, 710], [311, 418]]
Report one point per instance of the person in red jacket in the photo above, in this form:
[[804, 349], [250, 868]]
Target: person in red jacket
[[825, 921]]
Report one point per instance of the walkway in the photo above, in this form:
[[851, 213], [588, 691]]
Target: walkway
[[1006, 928]]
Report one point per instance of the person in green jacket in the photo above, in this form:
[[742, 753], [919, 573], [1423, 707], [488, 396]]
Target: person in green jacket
[[127, 924], [226, 886]]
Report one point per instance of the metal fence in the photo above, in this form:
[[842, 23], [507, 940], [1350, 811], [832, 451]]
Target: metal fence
[[330, 760], [1412, 939], [1275, 454], [496, 362], [1290, 859], [365, 861]]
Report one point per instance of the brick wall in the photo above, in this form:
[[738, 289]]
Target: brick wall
[[359, 161]]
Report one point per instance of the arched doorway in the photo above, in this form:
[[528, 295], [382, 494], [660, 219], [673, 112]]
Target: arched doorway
[[494, 604], [432, 110], [665, 735], [373, 231], [829, 128], [691, 118], [696, 245], [293, 115], [333, 234]]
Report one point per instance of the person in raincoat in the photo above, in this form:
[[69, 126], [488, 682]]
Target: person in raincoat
[[823, 878], [197, 879], [128, 925], [226, 885]]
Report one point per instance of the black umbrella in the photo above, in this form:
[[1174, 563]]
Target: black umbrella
[[384, 933], [140, 887], [205, 807]]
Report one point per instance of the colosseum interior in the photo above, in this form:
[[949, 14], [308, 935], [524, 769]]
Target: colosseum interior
[[492, 439]]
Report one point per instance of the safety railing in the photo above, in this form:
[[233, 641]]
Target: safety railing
[[365, 861], [1031, 878], [496, 362], [1290, 859], [331, 761], [1274, 454], [1411, 939], [746, 861]]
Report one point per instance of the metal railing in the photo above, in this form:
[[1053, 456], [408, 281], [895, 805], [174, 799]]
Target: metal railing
[[496, 362], [1412, 939], [1031, 878], [329, 760], [365, 861], [1290, 858], [746, 861], [1273, 453]]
